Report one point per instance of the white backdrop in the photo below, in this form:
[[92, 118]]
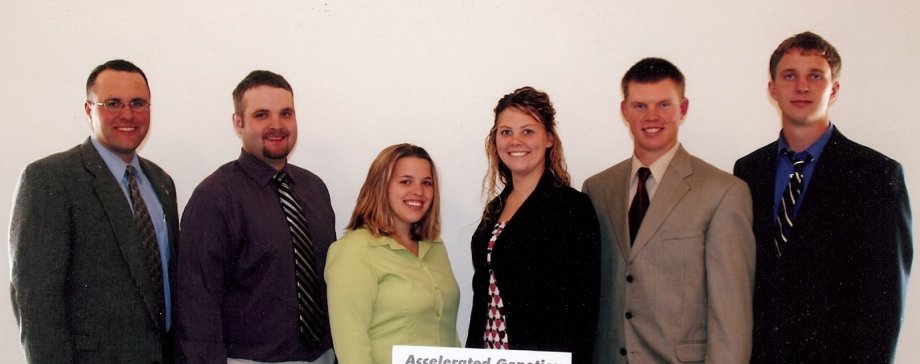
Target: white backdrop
[[368, 74]]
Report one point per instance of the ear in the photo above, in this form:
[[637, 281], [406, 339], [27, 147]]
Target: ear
[[237, 123], [684, 106], [551, 140], [771, 88], [623, 109], [88, 110], [834, 89]]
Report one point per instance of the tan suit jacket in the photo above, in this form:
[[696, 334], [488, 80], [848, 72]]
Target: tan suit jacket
[[682, 292]]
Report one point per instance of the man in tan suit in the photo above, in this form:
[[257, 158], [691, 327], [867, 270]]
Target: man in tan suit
[[677, 258]]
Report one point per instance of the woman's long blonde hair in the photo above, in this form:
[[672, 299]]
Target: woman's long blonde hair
[[372, 209]]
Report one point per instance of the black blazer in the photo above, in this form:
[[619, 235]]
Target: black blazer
[[837, 292], [80, 288], [547, 263]]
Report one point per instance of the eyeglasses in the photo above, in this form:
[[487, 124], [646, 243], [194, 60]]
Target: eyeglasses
[[117, 105]]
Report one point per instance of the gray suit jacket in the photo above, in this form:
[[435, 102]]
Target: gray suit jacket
[[80, 288], [682, 292]]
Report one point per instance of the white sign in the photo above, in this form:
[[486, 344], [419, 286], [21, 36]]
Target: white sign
[[403, 354]]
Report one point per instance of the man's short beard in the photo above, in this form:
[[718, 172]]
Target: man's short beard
[[282, 155]]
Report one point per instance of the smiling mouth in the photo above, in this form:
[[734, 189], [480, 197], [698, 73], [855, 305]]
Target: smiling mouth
[[414, 203], [652, 130], [517, 154]]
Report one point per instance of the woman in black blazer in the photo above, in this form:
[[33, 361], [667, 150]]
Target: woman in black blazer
[[536, 252]]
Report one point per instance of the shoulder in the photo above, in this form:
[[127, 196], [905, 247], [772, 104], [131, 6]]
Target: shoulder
[[844, 150], [354, 243], [566, 195], [308, 181], [58, 160], [358, 238], [53, 168], [758, 157], [153, 171], [228, 173], [301, 174], [604, 177], [151, 167], [218, 188], [712, 178], [554, 203]]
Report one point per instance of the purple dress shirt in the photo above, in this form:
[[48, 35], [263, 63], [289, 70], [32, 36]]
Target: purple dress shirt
[[236, 289]]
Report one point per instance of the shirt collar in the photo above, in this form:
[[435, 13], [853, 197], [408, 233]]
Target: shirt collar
[[424, 246], [658, 167], [260, 171], [115, 164], [814, 149]]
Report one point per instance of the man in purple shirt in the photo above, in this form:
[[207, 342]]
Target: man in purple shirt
[[236, 259]]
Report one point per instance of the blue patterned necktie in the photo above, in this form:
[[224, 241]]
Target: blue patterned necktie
[[785, 216]]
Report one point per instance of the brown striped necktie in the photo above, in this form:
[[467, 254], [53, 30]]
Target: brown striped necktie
[[148, 237]]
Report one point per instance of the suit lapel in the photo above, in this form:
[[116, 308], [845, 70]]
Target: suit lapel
[[120, 217], [617, 203], [826, 173], [165, 194], [671, 190]]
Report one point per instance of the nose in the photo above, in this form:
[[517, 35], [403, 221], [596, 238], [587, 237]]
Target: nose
[[652, 113], [801, 85], [274, 122], [515, 139], [126, 112], [417, 189]]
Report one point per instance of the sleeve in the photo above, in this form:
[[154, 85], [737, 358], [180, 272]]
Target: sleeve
[[730, 253], [40, 245], [876, 294], [478, 285], [202, 257], [352, 288], [584, 277]]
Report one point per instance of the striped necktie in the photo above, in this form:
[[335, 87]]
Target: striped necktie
[[785, 215], [309, 309], [148, 237]]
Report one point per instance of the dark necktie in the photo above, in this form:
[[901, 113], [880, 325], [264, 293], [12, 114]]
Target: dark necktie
[[148, 236], [309, 309], [639, 204], [784, 215]]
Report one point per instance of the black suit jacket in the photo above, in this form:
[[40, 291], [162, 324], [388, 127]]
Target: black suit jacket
[[836, 294], [80, 289], [547, 263]]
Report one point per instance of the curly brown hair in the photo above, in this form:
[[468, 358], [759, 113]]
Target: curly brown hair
[[537, 104]]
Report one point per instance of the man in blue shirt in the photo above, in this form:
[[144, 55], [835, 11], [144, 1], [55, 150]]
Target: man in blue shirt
[[832, 220], [92, 237]]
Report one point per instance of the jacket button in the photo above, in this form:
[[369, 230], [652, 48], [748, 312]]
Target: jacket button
[[629, 278], [622, 351], [629, 315]]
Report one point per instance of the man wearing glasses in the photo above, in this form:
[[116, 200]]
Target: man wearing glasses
[[92, 235]]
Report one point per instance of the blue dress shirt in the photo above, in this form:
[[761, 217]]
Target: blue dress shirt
[[117, 166], [784, 168]]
